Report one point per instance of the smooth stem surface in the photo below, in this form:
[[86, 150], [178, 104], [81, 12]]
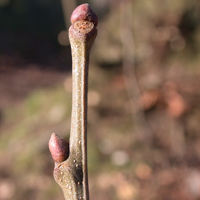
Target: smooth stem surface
[[72, 174], [78, 137]]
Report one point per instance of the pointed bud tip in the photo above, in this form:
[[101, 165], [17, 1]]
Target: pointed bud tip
[[84, 12], [59, 148]]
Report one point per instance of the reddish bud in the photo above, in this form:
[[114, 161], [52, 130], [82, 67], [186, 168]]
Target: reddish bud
[[84, 12], [59, 148]]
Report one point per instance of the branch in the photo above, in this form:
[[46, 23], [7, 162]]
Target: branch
[[71, 174]]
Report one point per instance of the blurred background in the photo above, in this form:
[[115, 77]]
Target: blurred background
[[144, 98]]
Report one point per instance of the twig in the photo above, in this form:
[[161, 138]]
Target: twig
[[71, 174]]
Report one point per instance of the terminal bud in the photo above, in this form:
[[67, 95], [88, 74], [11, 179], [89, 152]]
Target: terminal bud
[[84, 13]]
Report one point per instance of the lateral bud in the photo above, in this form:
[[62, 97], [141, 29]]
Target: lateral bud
[[59, 148]]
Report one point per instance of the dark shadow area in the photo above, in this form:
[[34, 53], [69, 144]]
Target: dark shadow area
[[29, 32]]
